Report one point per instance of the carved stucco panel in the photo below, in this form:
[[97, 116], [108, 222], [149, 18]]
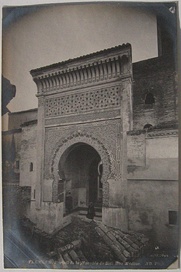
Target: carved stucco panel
[[106, 132], [79, 136], [90, 100], [103, 136]]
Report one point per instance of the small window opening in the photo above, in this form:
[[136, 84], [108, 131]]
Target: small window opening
[[149, 100], [17, 165], [173, 217], [34, 194], [31, 166]]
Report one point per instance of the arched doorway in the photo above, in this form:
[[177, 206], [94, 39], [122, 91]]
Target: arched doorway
[[61, 151], [81, 169]]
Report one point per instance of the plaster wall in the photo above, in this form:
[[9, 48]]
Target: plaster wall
[[136, 150], [49, 217], [17, 140], [115, 217], [7, 138], [28, 156], [16, 119], [148, 205], [153, 158], [153, 184], [162, 147]]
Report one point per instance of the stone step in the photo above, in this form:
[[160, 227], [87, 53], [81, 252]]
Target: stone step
[[85, 208], [83, 212], [89, 220]]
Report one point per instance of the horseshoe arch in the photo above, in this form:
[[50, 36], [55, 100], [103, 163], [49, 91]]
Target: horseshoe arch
[[80, 137]]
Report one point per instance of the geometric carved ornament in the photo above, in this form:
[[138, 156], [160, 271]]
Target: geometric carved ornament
[[82, 137], [82, 102]]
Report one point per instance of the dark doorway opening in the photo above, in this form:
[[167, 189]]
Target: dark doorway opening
[[81, 169], [95, 182]]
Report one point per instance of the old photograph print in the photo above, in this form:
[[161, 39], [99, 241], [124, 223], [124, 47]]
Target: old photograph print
[[90, 136]]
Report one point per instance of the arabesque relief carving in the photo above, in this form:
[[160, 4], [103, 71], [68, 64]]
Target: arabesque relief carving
[[82, 102], [106, 158]]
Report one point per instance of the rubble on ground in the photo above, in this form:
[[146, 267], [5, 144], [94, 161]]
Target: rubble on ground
[[85, 242]]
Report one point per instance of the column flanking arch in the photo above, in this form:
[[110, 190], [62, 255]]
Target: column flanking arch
[[82, 137]]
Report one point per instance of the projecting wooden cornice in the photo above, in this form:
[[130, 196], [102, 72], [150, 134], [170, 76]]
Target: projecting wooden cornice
[[105, 65]]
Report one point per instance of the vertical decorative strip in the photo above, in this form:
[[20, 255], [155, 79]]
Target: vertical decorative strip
[[40, 151], [101, 70]]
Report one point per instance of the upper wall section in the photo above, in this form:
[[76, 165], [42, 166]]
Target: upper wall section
[[94, 69], [153, 154], [155, 97], [16, 119]]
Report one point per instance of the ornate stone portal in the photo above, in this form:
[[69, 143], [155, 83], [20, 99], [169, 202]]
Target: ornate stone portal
[[86, 100], [81, 137]]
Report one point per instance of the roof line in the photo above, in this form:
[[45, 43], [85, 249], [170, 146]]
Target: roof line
[[12, 131], [19, 112], [58, 64]]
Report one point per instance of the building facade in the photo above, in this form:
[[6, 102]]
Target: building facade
[[106, 132]]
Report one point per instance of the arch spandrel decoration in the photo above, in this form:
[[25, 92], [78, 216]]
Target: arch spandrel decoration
[[83, 137]]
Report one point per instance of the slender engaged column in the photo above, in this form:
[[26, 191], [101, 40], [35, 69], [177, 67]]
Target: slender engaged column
[[40, 151]]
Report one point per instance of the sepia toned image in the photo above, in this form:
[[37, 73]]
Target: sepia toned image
[[90, 136]]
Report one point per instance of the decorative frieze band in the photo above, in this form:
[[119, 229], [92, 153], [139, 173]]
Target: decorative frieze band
[[90, 73], [154, 133], [83, 102], [99, 67], [162, 133]]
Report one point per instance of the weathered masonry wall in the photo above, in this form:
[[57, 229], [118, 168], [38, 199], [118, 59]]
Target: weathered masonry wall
[[11, 152], [16, 119], [153, 155], [153, 184], [28, 157], [49, 217], [156, 76], [148, 210]]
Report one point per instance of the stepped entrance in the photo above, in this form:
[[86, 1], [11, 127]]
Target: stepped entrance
[[81, 169]]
